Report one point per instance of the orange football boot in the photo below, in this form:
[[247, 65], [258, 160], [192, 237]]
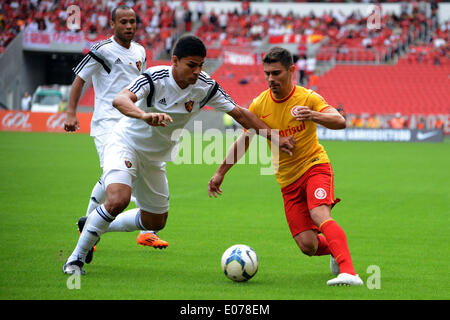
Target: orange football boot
[[151, 239]]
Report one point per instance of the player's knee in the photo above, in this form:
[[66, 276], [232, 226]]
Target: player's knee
[[117, 198], [115, 205], [308, 249], [307, 242]]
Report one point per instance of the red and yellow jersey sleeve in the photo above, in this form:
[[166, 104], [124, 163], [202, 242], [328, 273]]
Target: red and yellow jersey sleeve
[[279, 114]]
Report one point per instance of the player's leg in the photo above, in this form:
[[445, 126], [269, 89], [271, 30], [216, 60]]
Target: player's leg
[[98, 193], [152, 196], [152, 199], [98, 196], [98, 221], [337, 242], [312, 243], [320, 190], [304, 231], [118, 177], [307, 242]]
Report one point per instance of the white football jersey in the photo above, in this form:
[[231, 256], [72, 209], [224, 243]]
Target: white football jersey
[[157, 91], [111, 67]]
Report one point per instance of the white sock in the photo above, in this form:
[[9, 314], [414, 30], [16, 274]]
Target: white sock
[[96, 224], [127, 221], [98, 196], [147, 231]]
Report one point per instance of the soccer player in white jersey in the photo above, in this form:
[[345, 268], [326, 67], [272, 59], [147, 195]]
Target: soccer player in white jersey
[[111, 64], [134, 163]]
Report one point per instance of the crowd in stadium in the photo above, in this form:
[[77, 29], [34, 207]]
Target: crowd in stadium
[[158, 22], [397, 121]]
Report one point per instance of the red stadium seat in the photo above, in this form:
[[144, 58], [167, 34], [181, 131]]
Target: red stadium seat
[[406, 88]]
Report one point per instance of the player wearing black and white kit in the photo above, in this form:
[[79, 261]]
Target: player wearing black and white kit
[[111, 65], [137, 147], [111, 68], [157, 104]]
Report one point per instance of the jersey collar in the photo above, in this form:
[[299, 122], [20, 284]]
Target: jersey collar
[[285, 99]]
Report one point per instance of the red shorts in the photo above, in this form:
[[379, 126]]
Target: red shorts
[[314, 188]]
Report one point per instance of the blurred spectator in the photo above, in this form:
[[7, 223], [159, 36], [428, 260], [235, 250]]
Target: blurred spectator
[[373, 122], [301, 66], [421, 124], [168, 46], [439, 124], [313, 82], [397, 122], [310, 65], [200, 10], [245, 7], [357, 122], [188, 20], [26, 102]]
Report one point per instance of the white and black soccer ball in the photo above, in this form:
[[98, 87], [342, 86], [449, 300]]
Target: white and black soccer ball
[[239, 262]]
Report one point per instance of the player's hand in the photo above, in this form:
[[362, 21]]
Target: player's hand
[[71, 122], [287, 144], [157, 119], [214, 185], [303, 113]]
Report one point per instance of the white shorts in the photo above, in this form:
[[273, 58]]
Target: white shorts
[[100, 143], [148, 179]]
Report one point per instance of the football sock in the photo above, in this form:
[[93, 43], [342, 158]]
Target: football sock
[[96, 224], [127, 221], [98, 196], [322, 248], [337, 243], [147, 231]]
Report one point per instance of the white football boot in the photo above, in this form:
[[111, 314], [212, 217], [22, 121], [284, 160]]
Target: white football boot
[[345, 279], [74, 267]]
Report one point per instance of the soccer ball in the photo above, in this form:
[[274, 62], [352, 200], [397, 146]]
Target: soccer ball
[[239, 262]]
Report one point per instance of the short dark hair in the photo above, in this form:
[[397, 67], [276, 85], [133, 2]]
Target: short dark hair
[[121, 7], [279, 54], [187, 46]]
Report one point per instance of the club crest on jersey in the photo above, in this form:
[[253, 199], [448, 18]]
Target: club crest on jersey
[[128, 164], [320, 193], [139, 65], [295, 111], [189, 104]]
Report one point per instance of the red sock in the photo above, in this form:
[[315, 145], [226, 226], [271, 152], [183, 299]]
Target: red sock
[[337, 243], [322, 248]]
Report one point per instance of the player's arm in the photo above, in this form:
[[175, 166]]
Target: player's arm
[[71, 122], [125, 103], [83, 72], [234, 154], [329, 117], [250, 121]]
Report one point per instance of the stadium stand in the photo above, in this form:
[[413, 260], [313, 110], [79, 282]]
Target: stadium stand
[[386, 70], [156, 21], [242, 82], [405, 88]]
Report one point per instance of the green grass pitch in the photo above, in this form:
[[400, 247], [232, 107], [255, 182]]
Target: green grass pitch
[[395, 211]]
